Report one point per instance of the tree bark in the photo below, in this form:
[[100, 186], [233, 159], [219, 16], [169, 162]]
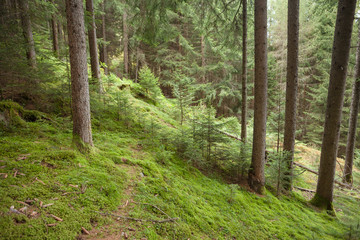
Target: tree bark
[[103, 50], [94, 59], [244, 75], [82, 136], [256, 178], [291, 86], [27, 31], [203, 63], [126, 43], [55, 38], [353, 119], [339, 62]]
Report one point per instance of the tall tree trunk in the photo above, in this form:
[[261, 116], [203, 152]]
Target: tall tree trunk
[[126, 43], [94, 59], [244, 75], [27, 31], [203, 62], [82, 136], [291, 86], [340, 56], [55, 38], [103, 50], [256, 178], [353, 119]]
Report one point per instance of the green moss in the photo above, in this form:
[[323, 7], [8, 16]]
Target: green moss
[[7, 105], [32, 115], [15, 118], [131, 163]]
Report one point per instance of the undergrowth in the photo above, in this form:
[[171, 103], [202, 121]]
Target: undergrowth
[[37, 164]]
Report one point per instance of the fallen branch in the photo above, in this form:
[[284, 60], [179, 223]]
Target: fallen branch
[[36, 179], [138, 219], [85, 231], [315, 172], [305, 190], [56, 218], [23, 203]]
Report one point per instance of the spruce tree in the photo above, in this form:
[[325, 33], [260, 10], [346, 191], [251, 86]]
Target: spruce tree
[[340, 56]]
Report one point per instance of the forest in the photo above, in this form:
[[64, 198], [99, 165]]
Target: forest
[[179, 119]]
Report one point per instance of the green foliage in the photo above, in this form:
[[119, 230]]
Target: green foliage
[[149, 83], [277, 171]]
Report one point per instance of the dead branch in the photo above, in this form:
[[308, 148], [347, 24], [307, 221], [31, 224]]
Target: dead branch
[[315, 172], [305, 190], [56, 218], [138, 219], [85, 231], [23, 203]]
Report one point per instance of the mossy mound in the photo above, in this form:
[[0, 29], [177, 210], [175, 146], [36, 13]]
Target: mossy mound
[[12, 114]]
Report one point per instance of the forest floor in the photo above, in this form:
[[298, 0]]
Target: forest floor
[[132, 186]]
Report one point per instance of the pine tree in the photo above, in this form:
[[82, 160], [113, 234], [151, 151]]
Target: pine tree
[[351, 136], [82, 136], [291, 83], [341, 47], [256, 178], [244, 75], [94, 59], [27, 31]]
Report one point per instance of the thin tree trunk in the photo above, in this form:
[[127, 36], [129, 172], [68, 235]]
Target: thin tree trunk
[[55, 35], [103, 49], [256, 178], [244, 75], [126, 43], [27, 31], [94, 59], [348, 178], [82, 136], [291, 86], [339, 62], [203, 62], [137, 64]]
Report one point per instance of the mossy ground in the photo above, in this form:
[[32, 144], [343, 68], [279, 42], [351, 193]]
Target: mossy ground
[[130, 163]]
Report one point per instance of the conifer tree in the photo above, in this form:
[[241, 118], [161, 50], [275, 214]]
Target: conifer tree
[[351, 136], [94, 59], [291, 84], [82, 136], [27, 31], [340, 56], [256, 178], [244, 74]]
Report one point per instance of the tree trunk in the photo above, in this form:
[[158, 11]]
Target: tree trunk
[[203, 63], [103, 50], [126, 43], [244, 75], [82, 136], [353, 119], [94, 59], [291, 86], [27, 31], [256, 176], [55, 35], [340, 57]]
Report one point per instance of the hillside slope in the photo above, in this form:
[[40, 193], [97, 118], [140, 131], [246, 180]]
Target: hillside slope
[[50, 191]]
